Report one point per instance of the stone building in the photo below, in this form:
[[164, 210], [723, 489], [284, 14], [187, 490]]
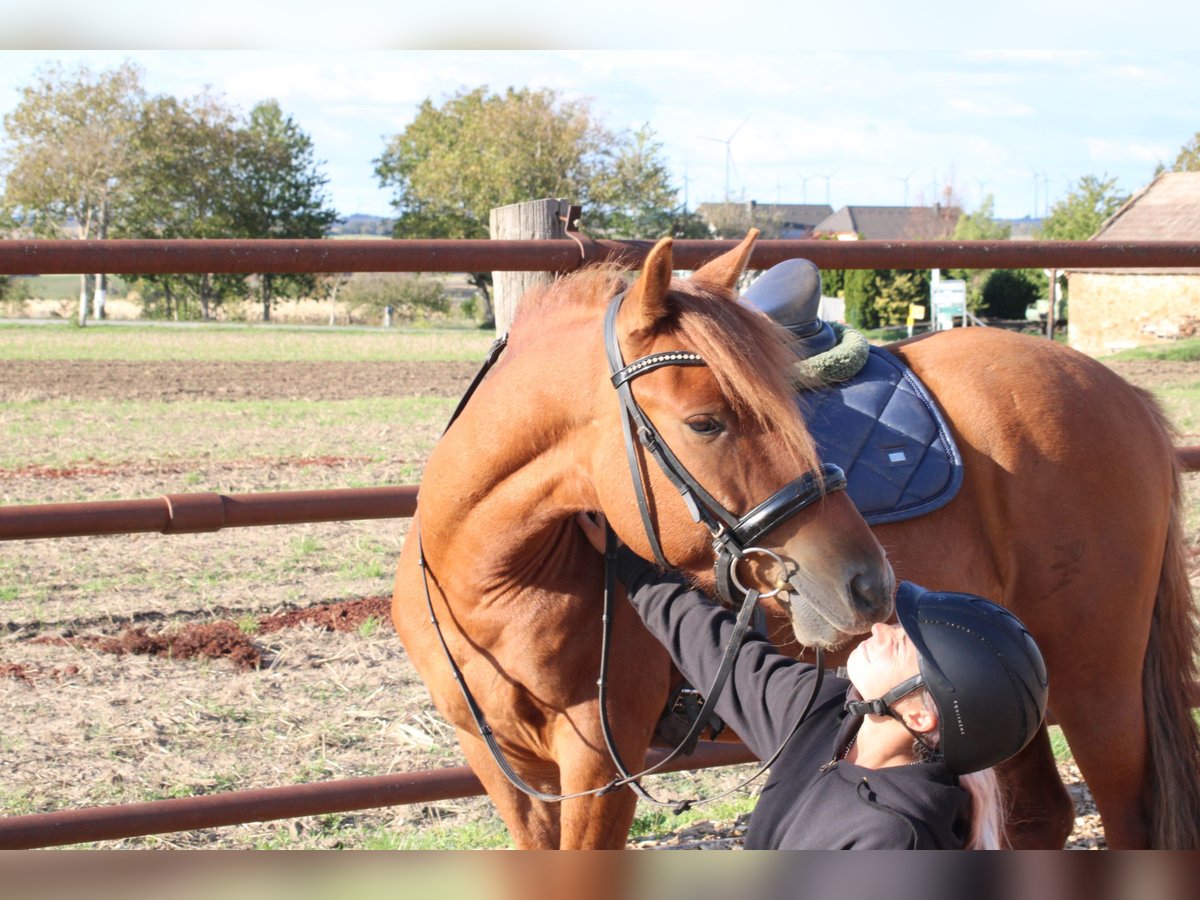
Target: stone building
[[1116, 309]]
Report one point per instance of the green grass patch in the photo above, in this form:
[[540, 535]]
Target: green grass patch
[[1176, 351], [240, 343], [486, 834], [658, 821], [1058, 744]]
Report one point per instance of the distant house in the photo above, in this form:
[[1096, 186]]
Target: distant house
[[784, 221], [890, 223], [1115, 309]]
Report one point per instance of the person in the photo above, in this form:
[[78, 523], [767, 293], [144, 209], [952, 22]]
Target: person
[[896, 754]]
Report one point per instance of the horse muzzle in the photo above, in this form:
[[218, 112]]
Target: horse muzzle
[[740, 542]]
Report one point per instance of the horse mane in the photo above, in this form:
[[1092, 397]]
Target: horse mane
[[747, 352]]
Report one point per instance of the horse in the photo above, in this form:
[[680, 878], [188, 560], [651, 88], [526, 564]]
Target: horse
[[497, 585], [1069, 514]]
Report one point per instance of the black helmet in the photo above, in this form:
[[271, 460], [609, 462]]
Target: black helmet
[[983, 670]]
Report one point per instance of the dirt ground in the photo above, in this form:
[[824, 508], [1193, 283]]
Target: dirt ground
[[140, 667]]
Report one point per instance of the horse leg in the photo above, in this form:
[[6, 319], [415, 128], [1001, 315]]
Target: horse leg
[[1107, 734], [591, 822], [597, 823], [532, 823], [1041, 811]]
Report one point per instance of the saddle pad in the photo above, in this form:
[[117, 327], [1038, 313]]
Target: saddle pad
[[887, 434]]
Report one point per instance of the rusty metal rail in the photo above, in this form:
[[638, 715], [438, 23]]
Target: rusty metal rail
[[202, 512], [250, 256], [108, 823], [190, 513]]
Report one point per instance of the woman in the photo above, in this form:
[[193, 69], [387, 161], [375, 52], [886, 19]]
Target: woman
[[955, 688]]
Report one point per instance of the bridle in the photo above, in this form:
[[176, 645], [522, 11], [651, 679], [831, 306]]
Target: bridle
[[733, 539]]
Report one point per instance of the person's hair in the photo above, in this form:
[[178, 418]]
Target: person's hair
[[987, 799]]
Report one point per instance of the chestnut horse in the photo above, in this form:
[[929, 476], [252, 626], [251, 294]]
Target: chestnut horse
[[1069, 514], [514, 585]]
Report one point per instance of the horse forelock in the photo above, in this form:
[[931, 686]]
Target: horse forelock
[[746, 351], [752, 363]]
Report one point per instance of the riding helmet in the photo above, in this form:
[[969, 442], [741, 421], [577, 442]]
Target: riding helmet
[[983, 670]]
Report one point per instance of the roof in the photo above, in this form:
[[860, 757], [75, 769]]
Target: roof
[[880, 223], [1167, 209], [795, 215]]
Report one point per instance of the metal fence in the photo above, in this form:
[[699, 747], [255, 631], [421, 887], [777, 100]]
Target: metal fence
[[200, 512]]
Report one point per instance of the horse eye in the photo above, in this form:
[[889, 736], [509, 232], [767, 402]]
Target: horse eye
[[705, 425]]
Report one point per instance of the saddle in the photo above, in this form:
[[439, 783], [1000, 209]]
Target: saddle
[[871, 415]]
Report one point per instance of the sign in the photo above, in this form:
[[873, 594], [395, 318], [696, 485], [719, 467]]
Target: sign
[[947, 299]]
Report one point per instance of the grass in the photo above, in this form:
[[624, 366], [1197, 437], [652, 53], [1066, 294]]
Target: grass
[[656, 820], [1176, 351], [241, 343], [68, 433]]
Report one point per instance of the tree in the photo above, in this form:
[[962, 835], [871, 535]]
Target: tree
[[480, 150], [409, 296], [861, 287], [278, 192], [1085, 208], [732, 219], [1008, 293], [995, 292], [184, 187], [70, 150], [1188, 159], [898, 290], [634, 198]]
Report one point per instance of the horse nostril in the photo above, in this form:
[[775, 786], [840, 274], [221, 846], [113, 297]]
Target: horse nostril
[[871, 594]]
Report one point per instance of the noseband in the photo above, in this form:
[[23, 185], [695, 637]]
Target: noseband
[[733, 538]]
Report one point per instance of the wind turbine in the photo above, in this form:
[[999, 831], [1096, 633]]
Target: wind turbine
[[728, 151], [905, 179], [827, 177], [982, 182], [1044, 178]]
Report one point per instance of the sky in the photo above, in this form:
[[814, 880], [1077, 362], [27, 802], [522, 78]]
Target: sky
[[802, 113]]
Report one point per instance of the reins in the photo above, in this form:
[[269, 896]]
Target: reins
[[732, 540]]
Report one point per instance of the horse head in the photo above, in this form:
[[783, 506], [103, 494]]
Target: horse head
[[713, 393]]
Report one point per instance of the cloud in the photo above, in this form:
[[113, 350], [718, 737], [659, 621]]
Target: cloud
[[990, 107]]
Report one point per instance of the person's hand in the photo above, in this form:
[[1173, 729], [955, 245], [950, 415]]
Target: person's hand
[[593, 526]]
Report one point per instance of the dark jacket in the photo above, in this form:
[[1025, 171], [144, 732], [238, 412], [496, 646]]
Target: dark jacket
[[811, 800]]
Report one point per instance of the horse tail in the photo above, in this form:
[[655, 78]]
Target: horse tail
[[1169, 682]]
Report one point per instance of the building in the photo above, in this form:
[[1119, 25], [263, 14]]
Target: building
[[785, 221], [1116, 309], [890, 223]]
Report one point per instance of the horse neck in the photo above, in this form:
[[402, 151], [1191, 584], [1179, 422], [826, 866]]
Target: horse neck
[[511, 471]]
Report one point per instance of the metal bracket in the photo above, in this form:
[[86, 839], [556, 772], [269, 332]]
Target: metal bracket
[[571, 226]]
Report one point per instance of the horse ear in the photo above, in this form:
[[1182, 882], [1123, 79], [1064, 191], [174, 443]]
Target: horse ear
[[647, 300], [726, 269]]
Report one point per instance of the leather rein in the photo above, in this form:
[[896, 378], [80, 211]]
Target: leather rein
[[733, 539]]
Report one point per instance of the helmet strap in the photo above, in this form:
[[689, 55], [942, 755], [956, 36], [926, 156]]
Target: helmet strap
[[882, 706]]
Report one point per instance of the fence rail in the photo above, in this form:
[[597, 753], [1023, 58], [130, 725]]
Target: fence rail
[[189, 513], [126, 820], [250, 256]]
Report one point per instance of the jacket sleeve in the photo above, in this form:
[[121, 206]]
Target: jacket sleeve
[[766, 690]]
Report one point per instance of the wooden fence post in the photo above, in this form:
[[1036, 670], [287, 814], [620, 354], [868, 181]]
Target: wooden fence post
[[533, 220]]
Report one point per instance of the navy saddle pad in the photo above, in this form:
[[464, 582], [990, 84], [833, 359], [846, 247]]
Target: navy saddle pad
[[890, 438]]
